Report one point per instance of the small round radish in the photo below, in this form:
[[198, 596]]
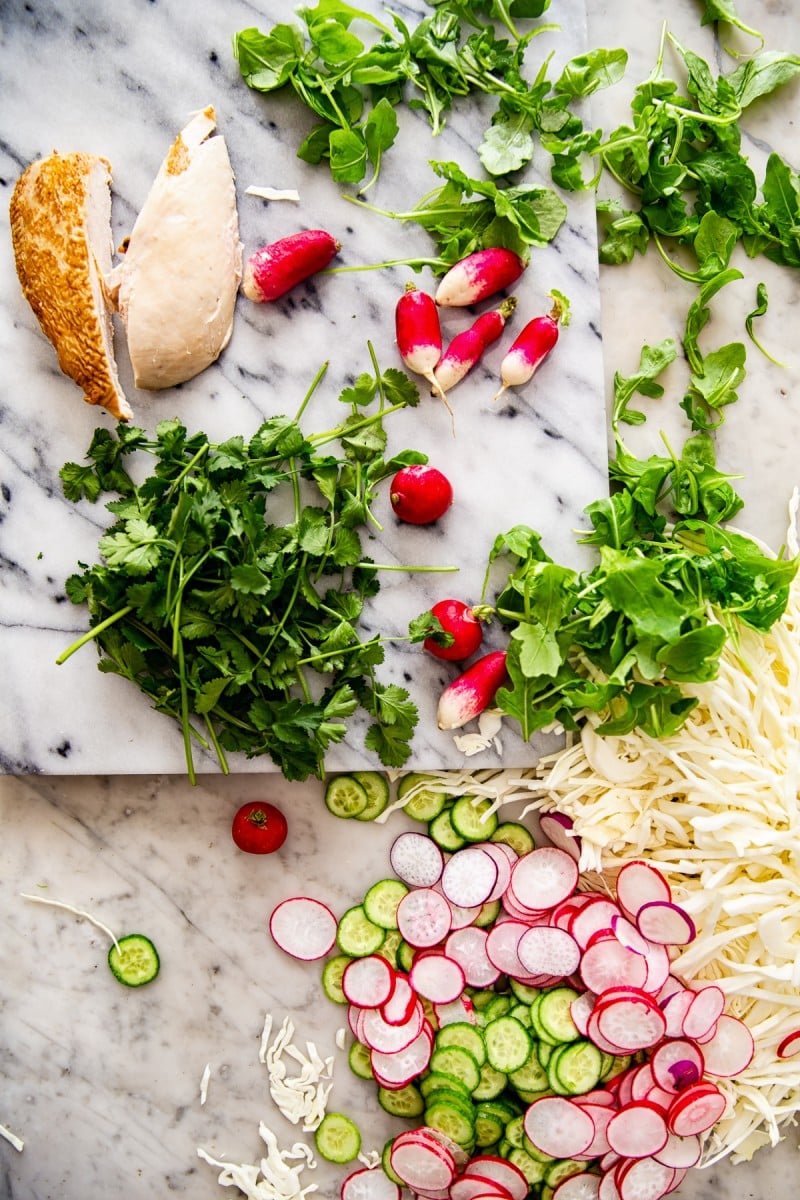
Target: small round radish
[[467, 347], [479, 276], [420, 494], [419, 334], [532, 346], [275, 269], [459, 621], [473, 692], [303, 927]]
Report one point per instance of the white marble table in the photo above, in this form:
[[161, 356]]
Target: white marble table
[[104, 1084]]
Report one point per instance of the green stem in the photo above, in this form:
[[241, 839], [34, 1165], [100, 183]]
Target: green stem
[[402, 567], [315, 382], [185, 722], [414, 263], [191, 463], [94, 632], [212, 733]]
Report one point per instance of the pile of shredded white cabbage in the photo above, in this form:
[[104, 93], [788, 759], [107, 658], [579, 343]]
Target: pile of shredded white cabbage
[[716, 807]]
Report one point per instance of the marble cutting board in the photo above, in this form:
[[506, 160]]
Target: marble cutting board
[[121, 83]]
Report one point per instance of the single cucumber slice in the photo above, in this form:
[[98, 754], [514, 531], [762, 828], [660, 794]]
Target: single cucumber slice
[[377, 788], [337, 1138], [471, 818], [381, 901], [530, 1077], [531, 1168], [386, 1163], [465, 1035], [454, 1120], [575, 1068], [515, 835], [134, 960], [332, 974], [402, 1102], [553, 1014], [345, 797], [493, 1083], [508, 1044], [491, 1121], [358, 1058], [356, 935], [561, 1169], [424, 803], [442, 831], [456, 1061], [390, 946]]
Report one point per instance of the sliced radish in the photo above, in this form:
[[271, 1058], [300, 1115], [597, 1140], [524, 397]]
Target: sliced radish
[[474, 1187], [422, 1164], [369, 1183], [369, 981], [423, 917], [665, 923], [559, 829], [675, 1009], [437, 977], [696, 1109], [380, 1035], [644, 1179], [501, 947], [398, 1008], [460, 917], [638, 883], [627, 933], [468, 948], [558, 1127], [790, 1045], [398, 1068], [303, 927], [707, 1006], [584, 1186], [680, 1152], [730, 1050], [469, 877], [601, 1114], [545, 950], [501, 853], [416, 859], [598, 915], [608, 1189], [500, 1171], [609, 964], [564, 913], [461, 1009], [514, 908], [658, 965], [671, 987], [543, 878], [677, 1064], [599, 1096], [637, 1131], [581, 1009], [630, 1024]]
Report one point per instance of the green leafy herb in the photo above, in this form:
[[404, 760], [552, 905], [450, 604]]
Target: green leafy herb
[[240, 625]]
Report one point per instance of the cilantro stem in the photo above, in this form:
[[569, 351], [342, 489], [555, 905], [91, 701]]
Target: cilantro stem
[[94, 632], [212, 733], [204, 449], [315, 382], [185, 722], [331, 435]]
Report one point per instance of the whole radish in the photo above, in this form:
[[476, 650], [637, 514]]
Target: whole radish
[[419, 334], [479, 276], [533, 345], [473, 692], [462, 624], [466, 348], [420, 494], [275, 269]]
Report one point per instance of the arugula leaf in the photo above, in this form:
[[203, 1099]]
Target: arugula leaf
[[725, 10], [591, 72], [652, 361], [762, 303]]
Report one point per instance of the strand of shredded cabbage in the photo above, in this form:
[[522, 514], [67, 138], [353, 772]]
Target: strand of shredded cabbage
[[716, 807]]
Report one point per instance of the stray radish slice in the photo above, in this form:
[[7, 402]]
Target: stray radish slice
[[637, 1131], [369, 1184], [419, 334], [416, 859], [638, 884], [696, 1109], [790, 1045], [730, 1050], [665, 923], [469, 877], [704, 1011], [543, 950], [467, 348], [677, 1064], [437, 978], [468, 948], [543, 878], [479, 276], [631, 1024], [533, 345], [472, 692], [303, 927], [500, 1171], [585, 1186], [558, 1127], [558, 829], [423, 917], [368, 982]]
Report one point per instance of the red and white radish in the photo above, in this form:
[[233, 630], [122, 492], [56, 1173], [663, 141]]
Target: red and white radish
[[479, 276], [303, 927], [558, 829], [790, 1045], [275, 269], [461, 622], [558, 1127], [473, 692], [467, 348], [416, 859], [420, 494], [532, 346], [419, 334]]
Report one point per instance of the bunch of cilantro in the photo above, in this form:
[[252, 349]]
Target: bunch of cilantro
[[241, 625]]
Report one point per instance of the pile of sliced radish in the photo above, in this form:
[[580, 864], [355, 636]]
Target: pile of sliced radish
[[639, 1132]]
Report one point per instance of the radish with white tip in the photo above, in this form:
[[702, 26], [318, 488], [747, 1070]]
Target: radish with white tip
[[479, 276], [533, 345], [473, 692]]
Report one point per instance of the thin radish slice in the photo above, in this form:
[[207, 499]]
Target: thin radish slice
[[468, 948], [730, 1050], [584, 1186], [599, 1096], [597, 915], [677, 1064], [564, 913], [627, 933], [461, 1009], [643, 1082], [518, 911], [637, 884], [633, 1024], [545, 950], [790, 1045], [400, 1067], [671, 987], [558, 1127], [501, 855], [501, 947], [608, 1189], [544, 877], [475, 1187], [595, 1035], [500, 1171], [369, 1183], [601, 1114], [416, 859], [680, 1152], [469, 877], [658, 964], [675, 1009], [460, 917], [437, 977], [665, 923], [637, 1131], [380, 1035], [704, 1011], [398, 1008], [581, 1009], [423, 917], [608, 964], [422, 1165], [303, 927], [644, 1179], [696, 1109], [558, 829], [369, 981]]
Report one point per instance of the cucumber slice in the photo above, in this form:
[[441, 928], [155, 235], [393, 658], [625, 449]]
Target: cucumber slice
[[461, 1033], [390, 946], [332, 974], [440, 1081], [575, 1068], [458, 1062], [515, 835], [345, 797], [454, 1120], [134, 960], [377, 788], [561, 1169], [530, 1077], [442, 831], [493, 1083], [386, 1164], [402, 1102], [356, 935], [381, 901], [508, 1044], [337, 1138], [425, 803], [358, 1059], [553, 1014], [471, 818], [531, 1168]]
